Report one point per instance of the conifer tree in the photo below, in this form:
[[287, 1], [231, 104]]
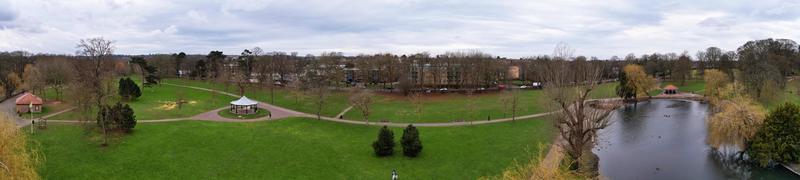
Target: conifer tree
[[412, 146], [384, 146]]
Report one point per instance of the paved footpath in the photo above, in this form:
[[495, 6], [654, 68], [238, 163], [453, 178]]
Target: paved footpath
[[10, 108]]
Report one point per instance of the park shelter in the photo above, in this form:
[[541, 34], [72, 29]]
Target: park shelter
[[29, 103], [244, 106], [670, 89]]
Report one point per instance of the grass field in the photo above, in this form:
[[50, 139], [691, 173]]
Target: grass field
[[157, 102], [396, 108], [287, 149], [693, 86], [452, 107], [337, 101], [790, 94]]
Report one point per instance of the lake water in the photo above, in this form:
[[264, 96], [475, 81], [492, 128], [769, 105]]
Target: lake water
[[665, 139]]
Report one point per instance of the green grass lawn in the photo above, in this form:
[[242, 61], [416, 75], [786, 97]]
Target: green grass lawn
[[228, 114], [157, 102], [607, 90], [694, 86], [395, 108], [453, 107], [337, 101], [790, 95], [287, 149]]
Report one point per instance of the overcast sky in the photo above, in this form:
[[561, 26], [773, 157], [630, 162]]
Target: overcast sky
[[513, 28]]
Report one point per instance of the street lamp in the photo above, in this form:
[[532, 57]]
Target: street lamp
[[30, 111]]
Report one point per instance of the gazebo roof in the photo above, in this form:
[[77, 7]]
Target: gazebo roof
[[244, 101], [670, 87], [29, 98]]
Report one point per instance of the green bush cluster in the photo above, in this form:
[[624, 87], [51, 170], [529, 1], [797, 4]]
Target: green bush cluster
[[778, 140], [116, 117], [384, 146]]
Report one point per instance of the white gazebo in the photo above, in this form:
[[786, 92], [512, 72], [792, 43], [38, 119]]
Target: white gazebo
[[244, 106]]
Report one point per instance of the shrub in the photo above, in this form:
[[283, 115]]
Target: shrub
[[116, 117], [128, 89], [127, 118], [384, 146], [412, 146], [778, 140]]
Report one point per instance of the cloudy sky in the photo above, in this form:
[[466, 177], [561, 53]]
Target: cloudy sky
[[511, 28]]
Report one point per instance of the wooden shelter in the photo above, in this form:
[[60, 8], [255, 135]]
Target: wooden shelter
[[29, 103]]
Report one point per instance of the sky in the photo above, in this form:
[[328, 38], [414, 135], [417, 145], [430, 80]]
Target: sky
[[508, 28]]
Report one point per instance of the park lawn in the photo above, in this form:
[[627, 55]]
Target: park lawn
[[228, 114], [157, 102], [337, 100], [606, 90], [294, 148], [455, 107], [693, 86], [789, 95], [449, 107]]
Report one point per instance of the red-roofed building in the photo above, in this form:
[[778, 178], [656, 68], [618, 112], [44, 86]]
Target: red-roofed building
[[670, 89], [23, 102]]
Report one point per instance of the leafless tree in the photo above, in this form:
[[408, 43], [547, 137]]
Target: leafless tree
[[510, 99], [362, 100], [57, 73], [99, 51], [567, 86], [419, 105]]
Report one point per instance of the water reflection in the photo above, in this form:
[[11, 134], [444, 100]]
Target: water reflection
[[665, 139]]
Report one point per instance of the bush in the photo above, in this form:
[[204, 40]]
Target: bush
[[412, 146], [128, 89], [778, 140], [116, 117], [384, 146], [127, 119]]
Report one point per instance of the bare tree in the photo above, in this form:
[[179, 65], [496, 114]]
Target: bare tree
[[510, 99], [419, 105], [56, 74], [33, 79], [99, 51], [567, 86], [361, 99]]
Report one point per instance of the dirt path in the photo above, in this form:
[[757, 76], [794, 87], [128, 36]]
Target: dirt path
[[341, 114]]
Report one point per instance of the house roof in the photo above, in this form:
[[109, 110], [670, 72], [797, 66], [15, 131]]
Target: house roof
[[29, 98], [670, 87], [244, 101]]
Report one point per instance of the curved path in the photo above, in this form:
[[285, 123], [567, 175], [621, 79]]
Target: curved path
[[280, 113]]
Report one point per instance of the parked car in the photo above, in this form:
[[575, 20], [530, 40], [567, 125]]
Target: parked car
[[536, 85]]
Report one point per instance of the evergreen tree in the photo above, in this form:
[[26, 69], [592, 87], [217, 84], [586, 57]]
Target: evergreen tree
[[384, 146], [412, 146], [128, 89], [127, 118], [135, 91], [778, 140], [124, 90]]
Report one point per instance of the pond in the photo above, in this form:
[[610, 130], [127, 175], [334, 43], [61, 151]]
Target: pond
[[666, 139]]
